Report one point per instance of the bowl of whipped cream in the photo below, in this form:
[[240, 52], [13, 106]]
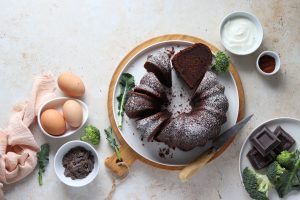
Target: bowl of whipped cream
[[241, 33]]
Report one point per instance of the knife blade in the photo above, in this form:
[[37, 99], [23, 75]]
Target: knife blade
[[193, 167], [229, 133]]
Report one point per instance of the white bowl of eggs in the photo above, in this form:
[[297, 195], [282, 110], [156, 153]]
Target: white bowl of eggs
[[62, 116]]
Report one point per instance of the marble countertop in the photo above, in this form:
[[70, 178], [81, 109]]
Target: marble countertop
[[90, 38]]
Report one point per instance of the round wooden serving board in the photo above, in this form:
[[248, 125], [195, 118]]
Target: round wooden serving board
[[128, 154]]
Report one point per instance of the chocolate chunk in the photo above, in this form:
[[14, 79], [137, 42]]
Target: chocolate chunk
[[264, 141], [258, 161], [286, 140]]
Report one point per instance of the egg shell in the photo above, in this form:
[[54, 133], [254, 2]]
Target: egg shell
[[71, 84], [73, 113], [53, 122]]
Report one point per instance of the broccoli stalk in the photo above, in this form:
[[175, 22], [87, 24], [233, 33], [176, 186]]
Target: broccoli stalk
[[257, 185], [221, 63], [91, 134], [274, 171]]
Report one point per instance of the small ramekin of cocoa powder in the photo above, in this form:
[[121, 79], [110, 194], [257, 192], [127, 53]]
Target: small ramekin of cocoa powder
[[268, 63], [76, 163]]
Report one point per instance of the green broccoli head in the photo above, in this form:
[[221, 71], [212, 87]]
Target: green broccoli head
[[286, 159], [91, 134], [221, 63], [257, 185], [274, 171]]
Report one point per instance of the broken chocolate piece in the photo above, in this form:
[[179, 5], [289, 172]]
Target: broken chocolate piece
[[264, 141], [257, 160], [286, 140]]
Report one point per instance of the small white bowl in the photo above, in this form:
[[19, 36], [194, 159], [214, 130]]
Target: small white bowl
[[251, 18], [59, 168], [277, 62], [57, 104]]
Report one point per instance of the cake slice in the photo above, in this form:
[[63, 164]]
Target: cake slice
[[192, 63], [151, 125], [159, 64], [208, 81], [151, 86], [140, 105]]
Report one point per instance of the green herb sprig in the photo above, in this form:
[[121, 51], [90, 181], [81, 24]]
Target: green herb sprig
[[126, 84], [222, 62], [43, 160], [112, 142]]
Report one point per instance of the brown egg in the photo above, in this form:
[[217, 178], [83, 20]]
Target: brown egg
[[73, 113], [53, 122], [71, 84]]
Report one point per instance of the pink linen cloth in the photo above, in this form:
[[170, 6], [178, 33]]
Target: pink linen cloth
[[18, 147]]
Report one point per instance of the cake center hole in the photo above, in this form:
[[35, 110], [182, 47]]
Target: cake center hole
[[179, 96]]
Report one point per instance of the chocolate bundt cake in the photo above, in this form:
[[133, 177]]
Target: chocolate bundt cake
[[151, 86], [208, 103], [191, 63], [159, 64], [151, 125], [203, 123], [140, 105]]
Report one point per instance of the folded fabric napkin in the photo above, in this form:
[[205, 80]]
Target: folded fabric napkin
[[17, 145]]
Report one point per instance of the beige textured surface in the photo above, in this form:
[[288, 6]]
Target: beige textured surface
[[90, 38]]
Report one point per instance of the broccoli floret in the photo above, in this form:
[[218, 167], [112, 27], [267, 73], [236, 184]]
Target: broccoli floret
[[286, 159], [257, 185], [91, 134], [221, 63], [290, 179], [274, 171]]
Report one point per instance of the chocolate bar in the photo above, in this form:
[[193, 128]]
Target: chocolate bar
[[258, 161], [286, 140], [264, 141]]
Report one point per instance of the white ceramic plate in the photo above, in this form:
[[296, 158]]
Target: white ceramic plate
[[290, 125], [150, 150]]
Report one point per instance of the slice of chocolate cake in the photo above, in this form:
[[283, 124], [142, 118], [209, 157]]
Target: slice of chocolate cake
[[159, 64], [151, 86], [151, 125], [140, 105], [192, 63]]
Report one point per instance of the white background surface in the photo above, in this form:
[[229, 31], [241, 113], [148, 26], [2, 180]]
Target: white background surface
[[91, 37]]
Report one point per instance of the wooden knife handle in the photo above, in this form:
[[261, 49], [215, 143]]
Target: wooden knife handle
[[192, 168], [128, 156]]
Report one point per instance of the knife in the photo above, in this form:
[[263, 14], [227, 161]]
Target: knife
[[193, 167]]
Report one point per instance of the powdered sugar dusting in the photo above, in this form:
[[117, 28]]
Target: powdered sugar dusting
[[161, 59], [149, 126], [150, 84], [203, 123], [137, 104]]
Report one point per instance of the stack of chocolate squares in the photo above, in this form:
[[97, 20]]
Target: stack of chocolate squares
[[267, 145]]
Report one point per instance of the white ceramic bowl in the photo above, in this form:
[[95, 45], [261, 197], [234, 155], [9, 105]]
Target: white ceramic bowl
[[277, 62], [57, 104], [252, 18], [59, 168]]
